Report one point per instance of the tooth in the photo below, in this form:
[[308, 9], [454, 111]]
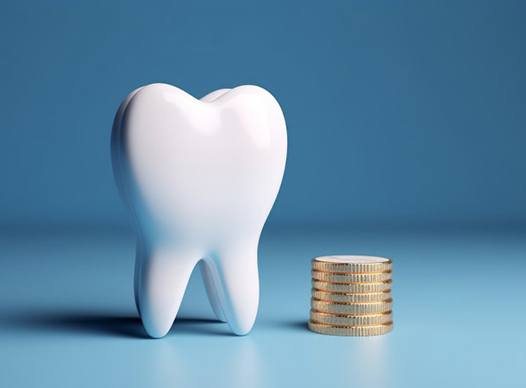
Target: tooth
[[238, 271], [161, 283], [214, 95], [199, 178], [212, 287]]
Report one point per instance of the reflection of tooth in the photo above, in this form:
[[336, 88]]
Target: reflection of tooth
[[200, 178]]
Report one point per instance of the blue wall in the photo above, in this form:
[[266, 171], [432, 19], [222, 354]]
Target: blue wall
[[399, 113]]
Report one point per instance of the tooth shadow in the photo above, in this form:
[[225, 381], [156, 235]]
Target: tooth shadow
[[77, 323], [200, 326], [87, 323]]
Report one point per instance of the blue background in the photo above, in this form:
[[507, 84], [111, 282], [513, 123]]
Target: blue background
[[407, 130], [401, 114]]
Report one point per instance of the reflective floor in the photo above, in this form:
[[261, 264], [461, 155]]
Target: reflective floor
[[67, 317]]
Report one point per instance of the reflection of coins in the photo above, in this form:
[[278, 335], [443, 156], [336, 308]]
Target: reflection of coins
[[353, 264], [351, 308], [352, 287], [350, 330], [351, 297], [350, 319], [340, 277]]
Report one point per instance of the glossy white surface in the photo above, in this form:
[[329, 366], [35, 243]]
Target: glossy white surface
[[200, 178]]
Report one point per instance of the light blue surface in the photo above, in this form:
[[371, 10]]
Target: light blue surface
[[409, 112], [67, 317]]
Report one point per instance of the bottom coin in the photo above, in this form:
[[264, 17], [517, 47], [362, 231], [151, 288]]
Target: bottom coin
[[323, 328]]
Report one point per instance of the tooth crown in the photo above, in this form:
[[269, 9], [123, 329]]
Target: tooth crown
[[200, 178]]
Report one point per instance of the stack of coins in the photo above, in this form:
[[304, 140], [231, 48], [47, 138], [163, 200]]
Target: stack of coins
[[351, 295]]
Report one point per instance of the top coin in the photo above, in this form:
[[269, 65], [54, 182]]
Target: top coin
[[352, 264]]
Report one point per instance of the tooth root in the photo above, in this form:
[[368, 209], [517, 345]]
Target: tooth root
[[238, 271], [160, 283], [213, 290]]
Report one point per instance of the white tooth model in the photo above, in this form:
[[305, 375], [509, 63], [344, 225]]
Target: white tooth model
[[200, 178]]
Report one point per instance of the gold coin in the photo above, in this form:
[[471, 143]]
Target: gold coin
[[351, 264], [351, 330], [352, 287], [338, 277], [351, 308], [351, 296], [350, 319]]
